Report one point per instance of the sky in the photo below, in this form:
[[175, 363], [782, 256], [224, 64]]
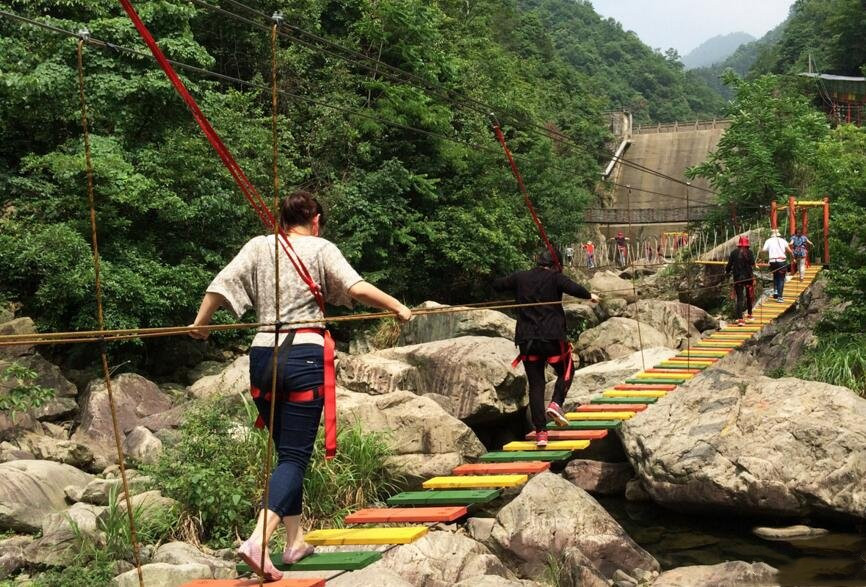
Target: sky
[[685, 24]]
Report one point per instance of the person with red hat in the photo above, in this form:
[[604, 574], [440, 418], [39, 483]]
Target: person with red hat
[[621, 249], [741, 264]]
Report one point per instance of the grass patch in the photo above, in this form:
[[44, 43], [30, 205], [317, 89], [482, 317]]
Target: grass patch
[[838, 360]]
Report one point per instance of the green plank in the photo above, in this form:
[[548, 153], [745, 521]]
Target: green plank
[[510, 456], [670, 380], [325, 561], [451, 497], [623, 400], [587, 425]]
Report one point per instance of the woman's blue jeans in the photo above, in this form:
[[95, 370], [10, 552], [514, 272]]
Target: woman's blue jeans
[[295, 423]]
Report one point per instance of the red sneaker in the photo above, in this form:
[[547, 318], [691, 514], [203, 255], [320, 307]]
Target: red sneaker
[[541, 438], [555, 413], [741, 322]]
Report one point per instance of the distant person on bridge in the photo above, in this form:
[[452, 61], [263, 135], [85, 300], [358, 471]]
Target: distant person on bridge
[[621, 249], [590, 254], [541, 336], [248, 282], [569, 255], [800, 243], [777, 250], [741, 264]]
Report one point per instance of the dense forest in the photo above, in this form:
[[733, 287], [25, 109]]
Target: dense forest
[[418, 193]]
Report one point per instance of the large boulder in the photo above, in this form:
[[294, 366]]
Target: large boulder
[[233, 380], [441, 559], [552, 517], [616, 338], [164, 575], [470, 377], [61, 536], [727, 574], [179, 553], [12, 556], [427, 441], [676, 320], [142, 446], [134, 396], [17, 327], [581, 314], [30, 490], [610, 285], [61, 406], [592, 380], [598, 476], [752, 444], [52, 449], [443, 326]]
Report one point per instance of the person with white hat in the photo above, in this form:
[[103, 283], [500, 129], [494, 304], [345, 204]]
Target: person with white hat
[[777, 250]]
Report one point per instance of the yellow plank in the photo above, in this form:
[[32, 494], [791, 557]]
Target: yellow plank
[[552, 445], [695, 362], [664, 375], [475, 482], [688, 353], [599, 415], [341, 536], [731, 344], [633, 393]]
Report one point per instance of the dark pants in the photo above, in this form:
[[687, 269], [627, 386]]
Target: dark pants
[[535, 375], [779, 269], [295, 423], [745, 298]]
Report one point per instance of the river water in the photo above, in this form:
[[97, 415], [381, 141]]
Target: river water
[[675, 540]]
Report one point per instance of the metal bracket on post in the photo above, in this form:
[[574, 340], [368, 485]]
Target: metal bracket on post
[[278, 18], [84, 34]]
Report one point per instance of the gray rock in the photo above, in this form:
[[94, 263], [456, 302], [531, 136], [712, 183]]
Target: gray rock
[[135, 397], [178, 553], [797, 532], [231, 381], [676, 320], [471, 376], [12, 556], [426, 440], [634, 491], [753, 444], [51, 449], [609, 285], [599, 477], [30, 490], [727, 574], [616, 338], [581, 314], [163, 575], [168, 420], [142, 446], [60, 543], [551, 516], [151, 504], [17, 327], [453, 325], [480, 528], [376, 574]]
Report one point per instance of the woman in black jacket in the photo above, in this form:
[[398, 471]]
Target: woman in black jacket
[[741, 264]]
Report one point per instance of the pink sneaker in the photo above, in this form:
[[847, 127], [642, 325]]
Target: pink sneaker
[[541, 438], [251, 553], [293, 555], [554, 412]]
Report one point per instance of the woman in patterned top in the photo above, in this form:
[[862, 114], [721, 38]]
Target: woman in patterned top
[[247, 282]]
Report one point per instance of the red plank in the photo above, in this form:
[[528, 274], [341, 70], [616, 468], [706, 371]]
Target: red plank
[[693, 359], [611, 408], [251, 582], [516, 468], [577, 434], [414, 515], [644, 387]]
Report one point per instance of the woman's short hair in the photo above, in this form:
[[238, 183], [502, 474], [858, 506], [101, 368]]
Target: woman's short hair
[[299, 208]]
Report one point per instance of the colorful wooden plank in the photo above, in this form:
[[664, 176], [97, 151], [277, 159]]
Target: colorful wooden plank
[[450, 497], [612, 415], [358, 536], [511, 456], [682, 376], [587, 425], [525, 467], [522, 445], [632, 393], [565, 434], [475, 481], [644, 386], [619, 408], [658, 380], [665, 370], [623, 400], [686, 366], [321, 561], [702, 353], [407, 515], [251, 582]]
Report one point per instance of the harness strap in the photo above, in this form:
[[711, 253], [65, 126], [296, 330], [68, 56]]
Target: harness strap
[[566, 350]]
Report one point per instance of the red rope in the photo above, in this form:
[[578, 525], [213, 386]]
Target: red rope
[[526, 199], [254, 198]]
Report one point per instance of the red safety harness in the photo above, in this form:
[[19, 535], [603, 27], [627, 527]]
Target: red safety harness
[[264, 214], [564, 356]]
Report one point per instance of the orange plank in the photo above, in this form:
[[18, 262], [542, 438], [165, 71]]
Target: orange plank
[[516, 468], [693, 359], [644, 387], [251, 582], [672, 371], [608, 407], [574, 434], [414, 515]]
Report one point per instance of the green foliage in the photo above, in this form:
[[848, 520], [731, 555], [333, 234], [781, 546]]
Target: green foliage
[[23, 394], [837, 359]]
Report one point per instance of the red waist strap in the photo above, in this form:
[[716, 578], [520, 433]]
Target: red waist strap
[[564, 357]]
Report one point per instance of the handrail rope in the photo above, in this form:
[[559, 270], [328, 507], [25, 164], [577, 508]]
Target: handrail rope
[[88, 165], [482, 108], [689, 277], [501, 138], [634, 283], [228, 78]]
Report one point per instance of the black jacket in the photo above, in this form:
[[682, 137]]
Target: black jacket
[[740, 263], [540, 285]]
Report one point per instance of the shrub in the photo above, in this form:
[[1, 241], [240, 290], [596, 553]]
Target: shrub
[[839, 360], [24, 393]]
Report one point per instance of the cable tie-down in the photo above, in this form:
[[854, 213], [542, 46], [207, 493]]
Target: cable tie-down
[[84, 34], [278, 18]]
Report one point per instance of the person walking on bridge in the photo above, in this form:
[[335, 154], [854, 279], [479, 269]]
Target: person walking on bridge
[[590, 254], [777, 250], [741, 264], [247, 282], [800, 243], [541, 337]]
